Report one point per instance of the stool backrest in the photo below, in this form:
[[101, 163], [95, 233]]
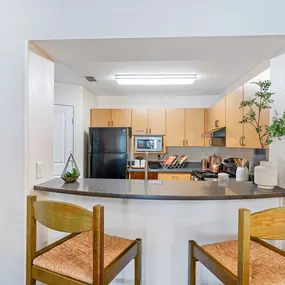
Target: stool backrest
[[68, 218], [63, 217], [268, 224]]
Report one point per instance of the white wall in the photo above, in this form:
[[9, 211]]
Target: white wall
[[89, 102], [156, 101], [277, 148], [31, 19], [40, 117]]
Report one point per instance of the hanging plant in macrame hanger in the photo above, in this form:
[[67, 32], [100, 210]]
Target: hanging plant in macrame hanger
[[70, 172]]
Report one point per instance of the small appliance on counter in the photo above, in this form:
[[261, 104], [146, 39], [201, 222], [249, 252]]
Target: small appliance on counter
[[139, 162]]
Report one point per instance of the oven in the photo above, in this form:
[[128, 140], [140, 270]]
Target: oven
[[148, 143]]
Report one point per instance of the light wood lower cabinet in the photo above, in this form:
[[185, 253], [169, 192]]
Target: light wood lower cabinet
[[140, 175], [174, 176], [175, 127]]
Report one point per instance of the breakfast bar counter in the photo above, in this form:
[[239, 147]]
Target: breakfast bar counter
[[166, 215], [160, 190]]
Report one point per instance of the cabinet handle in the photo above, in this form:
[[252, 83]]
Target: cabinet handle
[[108, 123], [112, 123], [186, 142], [146, 130], [217, 123], [242, 141], [175, 178], [183, 142], [150, 131], [210, 142]]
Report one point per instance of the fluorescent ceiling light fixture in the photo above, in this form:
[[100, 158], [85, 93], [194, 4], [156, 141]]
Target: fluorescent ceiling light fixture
[[156, 79]]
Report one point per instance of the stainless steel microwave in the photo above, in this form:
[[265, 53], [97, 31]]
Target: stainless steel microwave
[[148, 143]]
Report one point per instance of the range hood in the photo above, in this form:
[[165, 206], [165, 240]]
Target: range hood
[[217, 137], [216, 133]]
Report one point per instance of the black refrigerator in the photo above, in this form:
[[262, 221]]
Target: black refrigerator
[[108, 152]]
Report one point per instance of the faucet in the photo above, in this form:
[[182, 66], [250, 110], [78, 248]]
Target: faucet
[[146, 167]]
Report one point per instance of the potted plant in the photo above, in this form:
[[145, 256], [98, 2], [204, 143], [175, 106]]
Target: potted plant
[[71, 176], [254, 107], [70, 172]]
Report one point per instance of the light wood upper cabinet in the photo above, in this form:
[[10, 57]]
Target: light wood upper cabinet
[[175, 127], [148, 121], [195, 127], [156, 121], [250, 136], [215, 117], [121, 118], [100, 117], [219, 113], [209, 119], [233, 117], [140, 121], [110, 118]]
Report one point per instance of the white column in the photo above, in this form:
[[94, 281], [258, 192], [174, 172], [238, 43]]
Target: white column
[[277, 148]]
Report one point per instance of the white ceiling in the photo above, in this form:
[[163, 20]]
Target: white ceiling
[[220, 62]]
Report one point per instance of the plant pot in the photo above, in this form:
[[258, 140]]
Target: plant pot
[[259, 154]]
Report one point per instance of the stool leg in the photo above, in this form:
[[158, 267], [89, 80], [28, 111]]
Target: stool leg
[[138, 264], [192, 264]]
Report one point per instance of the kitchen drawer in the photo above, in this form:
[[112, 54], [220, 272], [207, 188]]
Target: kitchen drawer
[[174, 176], [140, 175]]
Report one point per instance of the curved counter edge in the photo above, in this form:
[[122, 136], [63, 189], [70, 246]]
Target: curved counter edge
[[166, 190]]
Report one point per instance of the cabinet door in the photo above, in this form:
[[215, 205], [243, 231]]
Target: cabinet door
[[219, 114], [174, 176], [175, 127], [195, 127], [140, 121], [250, 135], [209, 119], [233, 117], [140, 175], [121, 118], [156, 122], [100, 118]]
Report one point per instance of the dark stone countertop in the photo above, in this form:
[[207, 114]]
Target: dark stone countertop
[[159, 190], [190, 166]]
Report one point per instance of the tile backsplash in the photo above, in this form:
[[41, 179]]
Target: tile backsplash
[[197, 153]]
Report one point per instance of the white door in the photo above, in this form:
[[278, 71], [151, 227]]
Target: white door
[[63, 137]]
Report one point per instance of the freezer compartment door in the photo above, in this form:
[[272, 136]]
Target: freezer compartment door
[[112, 166], [108, 140]]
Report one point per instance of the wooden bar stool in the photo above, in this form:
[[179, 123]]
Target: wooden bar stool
[[85, 256], [249, 260]]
